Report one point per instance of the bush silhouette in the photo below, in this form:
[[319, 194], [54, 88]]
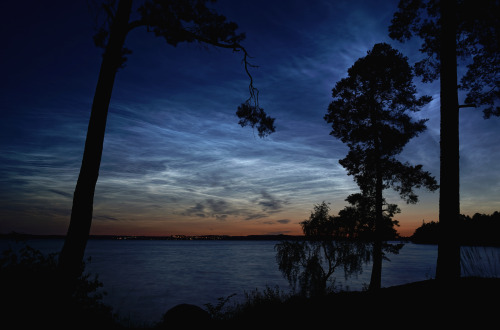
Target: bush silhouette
[[31, 295]]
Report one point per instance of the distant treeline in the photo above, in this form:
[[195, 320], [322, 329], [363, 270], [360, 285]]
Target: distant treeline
[[279, 237], [480, 229]]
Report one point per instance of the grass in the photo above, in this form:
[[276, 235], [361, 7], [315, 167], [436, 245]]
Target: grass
[[480, 261], [471, 301]]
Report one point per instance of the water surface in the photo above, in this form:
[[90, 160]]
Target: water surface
[[144, 278]]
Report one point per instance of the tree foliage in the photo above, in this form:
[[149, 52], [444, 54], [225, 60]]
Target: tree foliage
[[320, 223], [370, 114], [357, 220], [309, 265], [253, 115], [477, 36]]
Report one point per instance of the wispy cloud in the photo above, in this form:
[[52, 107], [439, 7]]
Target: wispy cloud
[[174, 154]]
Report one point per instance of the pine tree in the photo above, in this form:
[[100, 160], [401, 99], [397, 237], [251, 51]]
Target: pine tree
[[370, 114]]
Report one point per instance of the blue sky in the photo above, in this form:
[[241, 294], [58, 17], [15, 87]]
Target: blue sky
[[175, 159]]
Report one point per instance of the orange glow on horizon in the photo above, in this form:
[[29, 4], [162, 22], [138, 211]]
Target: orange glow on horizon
[[237, 228]]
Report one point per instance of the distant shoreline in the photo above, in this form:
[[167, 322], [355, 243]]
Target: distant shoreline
[[20, 236], [278, 237]]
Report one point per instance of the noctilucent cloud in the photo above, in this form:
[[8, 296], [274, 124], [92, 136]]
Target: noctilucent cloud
[[175, 159]]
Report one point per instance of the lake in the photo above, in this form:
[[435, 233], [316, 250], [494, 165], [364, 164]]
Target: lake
[[144, 278]]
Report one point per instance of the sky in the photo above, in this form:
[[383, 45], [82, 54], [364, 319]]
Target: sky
[[175, 160]]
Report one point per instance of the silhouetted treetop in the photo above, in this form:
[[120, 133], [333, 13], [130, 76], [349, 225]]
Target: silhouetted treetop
[[378, 89], [478, 39], [177, 21], [181, 20], [320, 223], [370, 114]]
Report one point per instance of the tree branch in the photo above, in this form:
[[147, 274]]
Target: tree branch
[[135, 24], [236, 47]]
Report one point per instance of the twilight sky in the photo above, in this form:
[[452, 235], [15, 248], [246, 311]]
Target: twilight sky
[[175, 159]]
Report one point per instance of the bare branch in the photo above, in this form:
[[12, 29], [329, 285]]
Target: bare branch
[[250, 113], [135, 24], [236, 47]]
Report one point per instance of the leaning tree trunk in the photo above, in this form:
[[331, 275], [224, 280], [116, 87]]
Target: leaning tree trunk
[[448, 261], [72, 253]]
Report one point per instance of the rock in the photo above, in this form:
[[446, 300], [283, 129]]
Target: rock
[[185, 315]]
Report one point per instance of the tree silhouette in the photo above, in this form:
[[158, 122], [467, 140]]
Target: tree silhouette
[[176, 21], [469, 30], [359, 217], [369, 114], [480, 229], [309, 265]]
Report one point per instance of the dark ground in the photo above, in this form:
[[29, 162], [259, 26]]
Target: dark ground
[[469, 303]]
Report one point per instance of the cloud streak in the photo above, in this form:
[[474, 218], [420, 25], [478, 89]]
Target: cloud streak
[[175, 159]]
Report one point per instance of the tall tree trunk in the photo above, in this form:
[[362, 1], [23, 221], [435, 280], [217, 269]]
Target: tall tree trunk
[[448, 261], [72, 253], [376, 277]]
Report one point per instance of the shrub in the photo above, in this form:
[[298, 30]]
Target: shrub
[[31, 296]]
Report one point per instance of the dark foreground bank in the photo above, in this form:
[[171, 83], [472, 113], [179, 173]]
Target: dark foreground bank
[[472, 303], [469, 301]]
